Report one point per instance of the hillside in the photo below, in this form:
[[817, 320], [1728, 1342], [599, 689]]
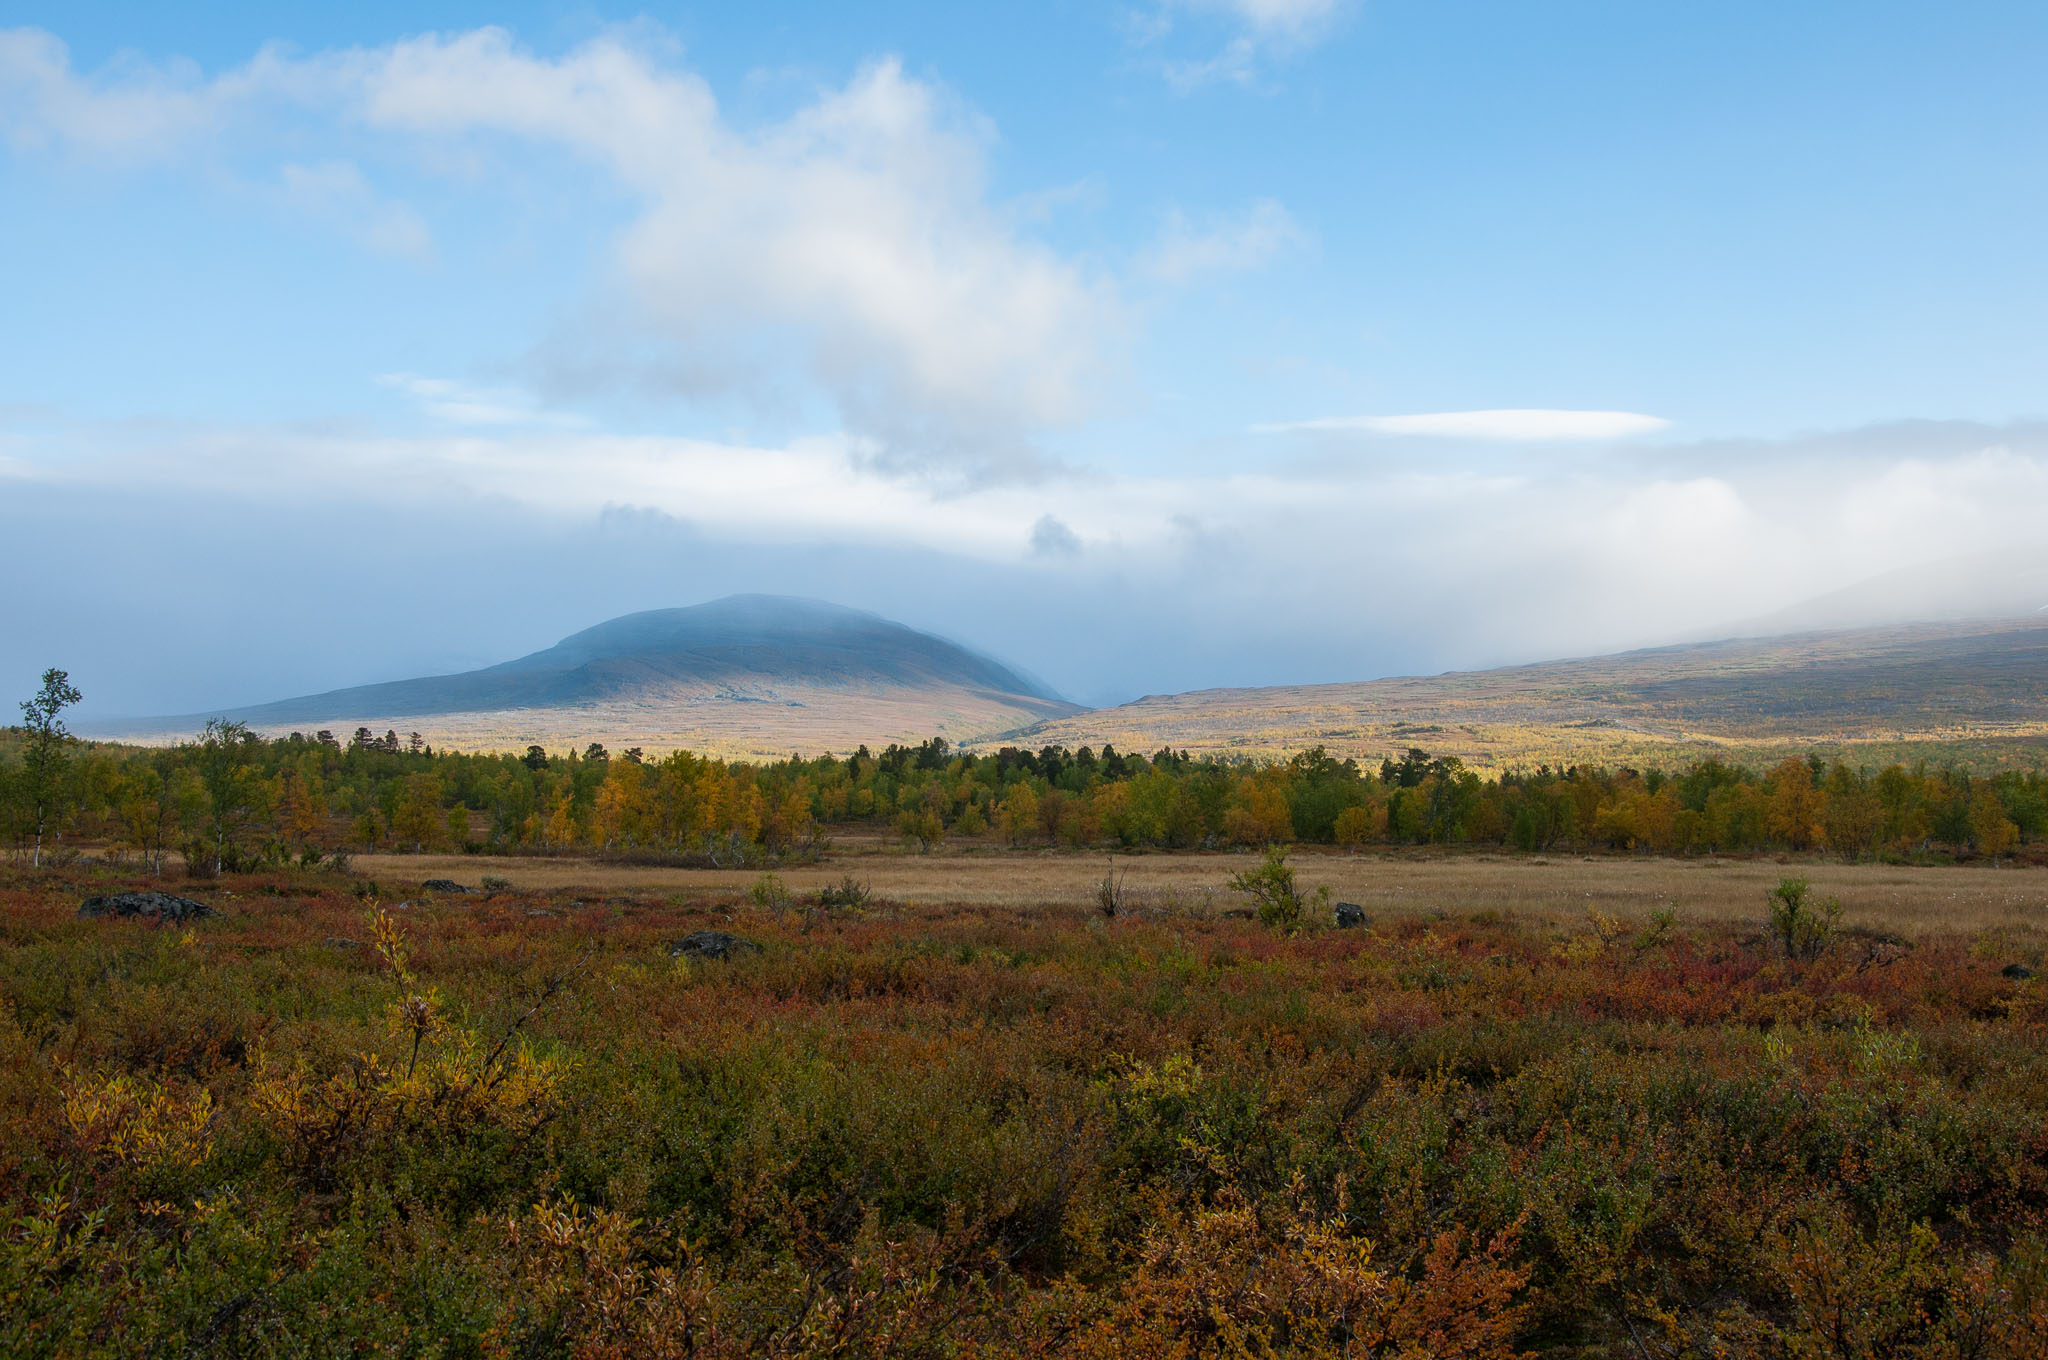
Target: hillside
[[745, 675], [1974, 692]]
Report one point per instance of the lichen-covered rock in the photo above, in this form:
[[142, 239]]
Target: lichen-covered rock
[[157, 907], [1350, 914], [445, 885], [711, 944]]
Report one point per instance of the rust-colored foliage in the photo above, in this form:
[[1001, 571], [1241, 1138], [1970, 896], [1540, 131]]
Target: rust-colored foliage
[[518, 1126]]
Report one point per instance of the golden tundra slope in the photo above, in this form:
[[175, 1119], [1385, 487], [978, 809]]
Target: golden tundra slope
[[767, 722], [1972, 692]]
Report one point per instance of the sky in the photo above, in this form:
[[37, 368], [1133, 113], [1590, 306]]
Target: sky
[[1150, 346]]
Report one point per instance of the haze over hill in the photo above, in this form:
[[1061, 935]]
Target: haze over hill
[[761, 675], [1976, 692], [748, 674], [2008, 584]]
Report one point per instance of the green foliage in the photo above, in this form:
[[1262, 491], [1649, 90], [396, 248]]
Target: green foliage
[[769, 894], [1800, 927], [849, 894], [1276, 899], [239, 801], [44, 753]]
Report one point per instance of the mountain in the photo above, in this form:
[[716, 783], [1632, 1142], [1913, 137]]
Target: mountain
[[1975, 692], [748, 674], [756, 675], [1994, 585]]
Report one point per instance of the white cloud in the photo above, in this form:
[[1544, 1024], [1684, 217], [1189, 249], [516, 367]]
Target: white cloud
[[859, 225], [133, 109], [1321, 567], [455, 403], [138, 109], [1261, 30], [335, 192], [857, 232], [1183, 250], [1291, 17], [1511, 426]]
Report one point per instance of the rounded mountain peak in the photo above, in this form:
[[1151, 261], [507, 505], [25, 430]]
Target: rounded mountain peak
[[787, 637]]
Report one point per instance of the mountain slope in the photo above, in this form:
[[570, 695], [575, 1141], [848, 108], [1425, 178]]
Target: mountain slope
[[2009, 584], [1975, 692], [745, 674]]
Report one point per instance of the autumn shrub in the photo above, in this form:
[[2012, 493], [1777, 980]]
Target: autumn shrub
[[313, 1126]]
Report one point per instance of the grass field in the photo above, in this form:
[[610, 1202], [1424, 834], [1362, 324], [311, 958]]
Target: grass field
[[1904, 899]]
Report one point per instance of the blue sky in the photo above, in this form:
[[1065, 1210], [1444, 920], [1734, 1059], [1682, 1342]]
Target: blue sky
[[1153, 346]]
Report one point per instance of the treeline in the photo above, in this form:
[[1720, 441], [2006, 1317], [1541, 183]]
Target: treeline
[[231, 799]]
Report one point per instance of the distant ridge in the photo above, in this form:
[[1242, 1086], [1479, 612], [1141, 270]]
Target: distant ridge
[[748, 672], [1974, 691], [2009, 584], [759, 675]]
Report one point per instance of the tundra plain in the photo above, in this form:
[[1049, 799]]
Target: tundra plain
[[1554, 889]]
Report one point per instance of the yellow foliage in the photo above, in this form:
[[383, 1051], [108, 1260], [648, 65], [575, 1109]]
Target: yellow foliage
[[1231, 1282], [127, 1121]]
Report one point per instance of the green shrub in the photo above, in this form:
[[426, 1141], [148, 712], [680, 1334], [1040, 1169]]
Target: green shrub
[[1271, 887], [1800, 927]]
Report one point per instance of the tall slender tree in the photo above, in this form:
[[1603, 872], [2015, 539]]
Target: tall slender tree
[[223, 758], [49, 747]]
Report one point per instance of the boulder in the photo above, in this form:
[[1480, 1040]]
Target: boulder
[[711, 944], [444, 885], [156, 907], [2018, 972], [1350, 914]]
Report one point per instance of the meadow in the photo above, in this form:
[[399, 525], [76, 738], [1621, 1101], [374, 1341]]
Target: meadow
[[1902, 898], [1536, 1105]]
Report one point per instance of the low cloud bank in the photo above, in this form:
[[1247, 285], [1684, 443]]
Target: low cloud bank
[[222, 567]]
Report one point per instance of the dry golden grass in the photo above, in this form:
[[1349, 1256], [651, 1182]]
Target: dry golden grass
[[808, 720], [1910, 900]]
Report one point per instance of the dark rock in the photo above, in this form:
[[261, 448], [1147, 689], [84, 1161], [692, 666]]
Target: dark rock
[[2018, 972], [1350, 914], [444, 885], [156, 907], [711, 944]]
